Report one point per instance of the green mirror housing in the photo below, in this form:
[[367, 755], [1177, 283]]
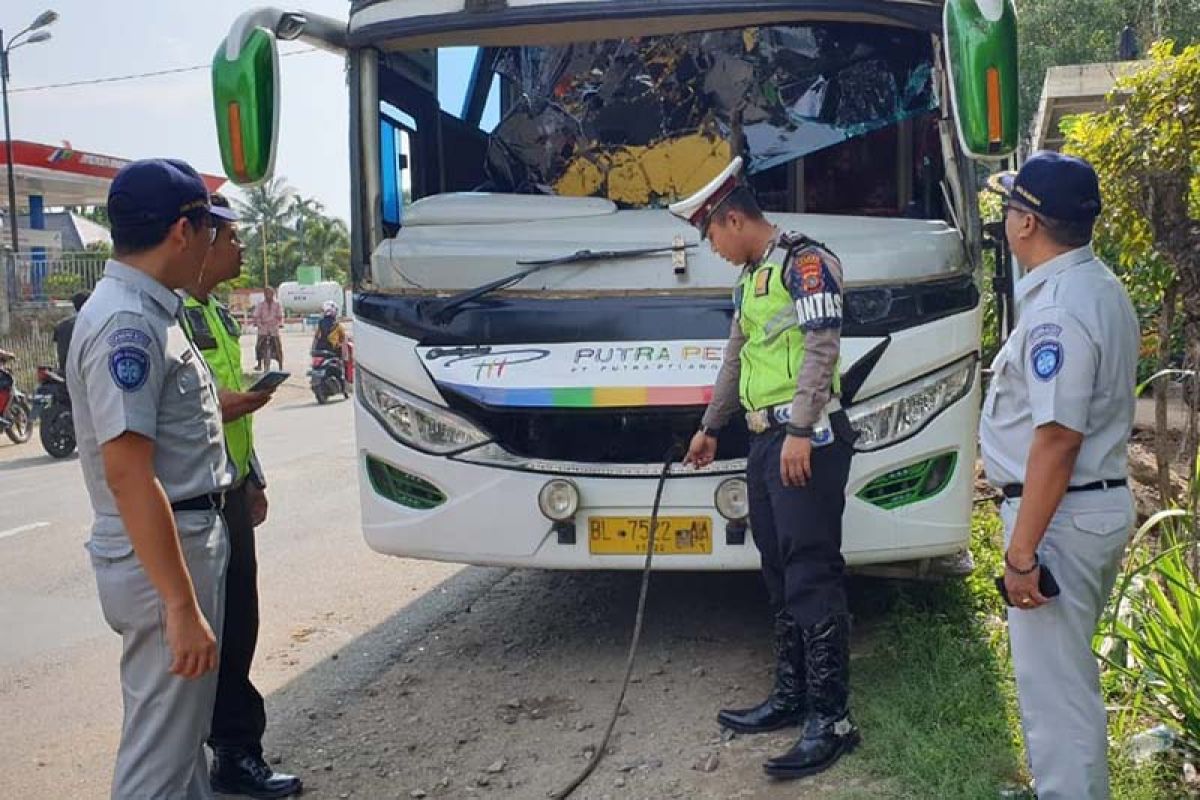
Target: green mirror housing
[[981, 56], [245, 81]]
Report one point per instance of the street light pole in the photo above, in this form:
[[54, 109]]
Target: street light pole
[[42, 20], [10, 265], [8, 150]]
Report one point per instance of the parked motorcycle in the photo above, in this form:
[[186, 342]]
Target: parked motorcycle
[[52, 405], [329, 376], [16, 413]]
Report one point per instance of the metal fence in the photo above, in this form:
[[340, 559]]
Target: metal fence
[[32, 346], [40, 280]]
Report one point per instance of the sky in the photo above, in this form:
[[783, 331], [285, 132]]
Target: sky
[[171, 115]]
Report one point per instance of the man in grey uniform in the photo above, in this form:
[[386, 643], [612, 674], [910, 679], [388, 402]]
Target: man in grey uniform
[[1055, 426], [152, 452]]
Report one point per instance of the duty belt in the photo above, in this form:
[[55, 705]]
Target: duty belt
[[1015, 490], [768, 419]]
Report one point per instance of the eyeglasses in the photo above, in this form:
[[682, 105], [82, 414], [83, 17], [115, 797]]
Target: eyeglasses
[[203, 220]]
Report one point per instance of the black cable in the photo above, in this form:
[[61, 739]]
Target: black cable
[[598, 755]]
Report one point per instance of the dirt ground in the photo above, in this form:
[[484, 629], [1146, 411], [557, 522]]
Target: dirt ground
[[508, 694]]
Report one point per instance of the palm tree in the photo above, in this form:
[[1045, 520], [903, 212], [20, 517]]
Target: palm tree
[[303, 211], [267, 208]]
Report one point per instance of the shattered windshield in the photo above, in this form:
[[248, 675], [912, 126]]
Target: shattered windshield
[[646, 121]]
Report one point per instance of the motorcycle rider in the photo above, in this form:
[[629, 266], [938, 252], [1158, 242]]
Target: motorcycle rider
[[330, 337]]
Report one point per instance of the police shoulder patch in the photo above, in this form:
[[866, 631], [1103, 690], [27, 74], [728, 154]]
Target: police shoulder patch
[[1046, 358], [129, 367]]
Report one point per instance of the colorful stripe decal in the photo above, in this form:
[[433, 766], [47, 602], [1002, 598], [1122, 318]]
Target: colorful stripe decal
[[586, 397]]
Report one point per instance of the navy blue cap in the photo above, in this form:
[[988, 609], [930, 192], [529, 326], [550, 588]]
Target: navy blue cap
[[158, 191], [1054, 185]]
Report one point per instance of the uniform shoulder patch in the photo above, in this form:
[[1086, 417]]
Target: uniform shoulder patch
[[129, 367], [1046, 331], [129, 336], [1046, 358]]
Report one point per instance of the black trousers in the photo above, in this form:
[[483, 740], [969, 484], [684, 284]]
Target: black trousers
[[798, 529], [239, 715]]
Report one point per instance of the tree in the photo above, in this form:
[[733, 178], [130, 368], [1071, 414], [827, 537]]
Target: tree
[[1146, 149], [1058, 32], [266, 210]]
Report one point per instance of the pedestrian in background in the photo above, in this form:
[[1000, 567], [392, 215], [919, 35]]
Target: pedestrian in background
[[267, 318], [239, 714], [1055, 428], [148, 425]]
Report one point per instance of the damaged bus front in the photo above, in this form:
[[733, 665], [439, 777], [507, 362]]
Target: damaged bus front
[[535, 330]]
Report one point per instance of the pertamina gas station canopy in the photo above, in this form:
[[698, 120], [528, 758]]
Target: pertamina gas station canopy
[[63, 176]]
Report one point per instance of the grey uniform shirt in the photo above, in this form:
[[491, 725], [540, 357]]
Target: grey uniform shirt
[[131, 368], [1071, 360]]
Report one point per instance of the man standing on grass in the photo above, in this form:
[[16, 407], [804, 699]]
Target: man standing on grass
[[1055, 427]]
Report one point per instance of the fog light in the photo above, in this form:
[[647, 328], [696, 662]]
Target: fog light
[[558, 500], [732, 499]]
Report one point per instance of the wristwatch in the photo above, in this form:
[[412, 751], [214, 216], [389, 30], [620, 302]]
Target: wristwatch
[[709, 430], [805, 432]]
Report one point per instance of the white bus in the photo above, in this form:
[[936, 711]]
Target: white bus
[[534, 330]]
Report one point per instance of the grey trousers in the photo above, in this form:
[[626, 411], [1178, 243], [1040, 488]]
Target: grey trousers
[[167, 718], [1058, 677]]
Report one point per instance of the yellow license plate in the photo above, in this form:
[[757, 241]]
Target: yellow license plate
[[629, 535]]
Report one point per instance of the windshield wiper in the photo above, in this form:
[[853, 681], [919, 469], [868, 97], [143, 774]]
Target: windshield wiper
[[443, 312]]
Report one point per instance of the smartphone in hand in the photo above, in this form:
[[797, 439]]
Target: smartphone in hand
[[1047, 585], [270, 381]]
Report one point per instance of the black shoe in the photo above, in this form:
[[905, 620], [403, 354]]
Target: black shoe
[[241, 772], [829, 732], [785, 705]]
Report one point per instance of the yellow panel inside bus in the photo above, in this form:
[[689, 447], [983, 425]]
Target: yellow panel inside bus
[[637, 175]]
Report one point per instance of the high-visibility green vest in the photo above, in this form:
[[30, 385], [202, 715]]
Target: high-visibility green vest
[[774, 350], [217, 336]]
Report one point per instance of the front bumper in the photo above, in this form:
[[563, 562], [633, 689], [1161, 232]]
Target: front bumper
[[490, 515]]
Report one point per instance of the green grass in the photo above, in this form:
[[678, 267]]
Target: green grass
[[933, 689], [934, 693]]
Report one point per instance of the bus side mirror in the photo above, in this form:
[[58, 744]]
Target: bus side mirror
[[245, 82], [981, 57]]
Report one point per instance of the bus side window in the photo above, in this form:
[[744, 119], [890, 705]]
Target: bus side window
[[394, 147]]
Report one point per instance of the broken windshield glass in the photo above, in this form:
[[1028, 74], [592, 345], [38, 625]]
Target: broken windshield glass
[[646, 121]]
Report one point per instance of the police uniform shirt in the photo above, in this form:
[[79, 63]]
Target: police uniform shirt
[[215, 332], [132, 369], [1071, 360]]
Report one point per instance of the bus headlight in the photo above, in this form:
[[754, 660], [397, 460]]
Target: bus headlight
[[558, 500], [732, 499], [416, 422], [901, 413]]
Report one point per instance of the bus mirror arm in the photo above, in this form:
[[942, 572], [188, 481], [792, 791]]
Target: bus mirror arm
[[320, 31]]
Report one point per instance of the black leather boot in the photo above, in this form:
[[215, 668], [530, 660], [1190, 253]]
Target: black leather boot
[[829, 732], [785, 706], [246, 773]]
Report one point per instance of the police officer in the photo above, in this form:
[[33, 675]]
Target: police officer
[[780, 366], [239, 715], [153, 459], [1056, 421]]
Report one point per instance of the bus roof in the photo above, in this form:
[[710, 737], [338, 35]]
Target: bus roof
[[411, 24]]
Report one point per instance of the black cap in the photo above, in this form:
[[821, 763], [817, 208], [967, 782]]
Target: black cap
[[158, 191], [1054, 185]]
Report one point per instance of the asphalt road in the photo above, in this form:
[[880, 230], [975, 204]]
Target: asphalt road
[[321, 589], [385, 677]]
